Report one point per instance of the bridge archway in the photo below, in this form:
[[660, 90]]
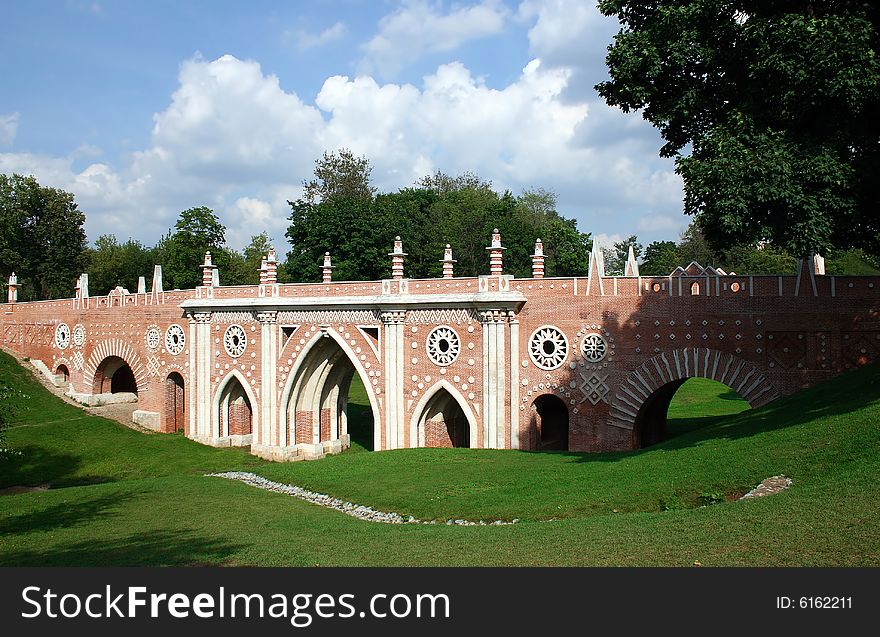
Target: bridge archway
[[234, 410], [442, 418], [106, 361], [62, 374], [315, 398], [174, 400], [642, 400], [549, 423], [113, 376]]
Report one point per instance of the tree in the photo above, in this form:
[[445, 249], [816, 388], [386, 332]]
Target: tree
[[197, 231], [661, 258], [769, 109], [340, 175], [111, 263], [41, 238]]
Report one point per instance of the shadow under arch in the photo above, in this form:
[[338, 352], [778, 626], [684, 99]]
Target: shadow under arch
[[642, 400], [319, 380], [549, 423], [221, 394], [421, 410], [113, 376], [174, 402]]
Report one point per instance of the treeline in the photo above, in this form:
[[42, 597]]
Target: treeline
[[340, 212]]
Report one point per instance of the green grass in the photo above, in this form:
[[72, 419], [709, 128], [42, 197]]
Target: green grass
[[122, 497]]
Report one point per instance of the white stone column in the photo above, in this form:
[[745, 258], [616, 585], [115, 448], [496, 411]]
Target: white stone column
[[494, 362], [192, 380], [393, 353], [514, 379], [204, 422], [266, 433]]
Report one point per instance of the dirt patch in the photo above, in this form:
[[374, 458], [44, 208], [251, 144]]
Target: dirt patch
[[20, 489]]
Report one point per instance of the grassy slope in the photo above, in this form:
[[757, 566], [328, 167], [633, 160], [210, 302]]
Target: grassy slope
[[132, 498]]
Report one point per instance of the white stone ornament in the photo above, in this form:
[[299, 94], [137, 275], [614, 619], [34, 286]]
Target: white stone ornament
[[79, 335], [153, 338], [175, 339], [235, 340], [594, 348], [62, 336], [443, 345], [548, 347]]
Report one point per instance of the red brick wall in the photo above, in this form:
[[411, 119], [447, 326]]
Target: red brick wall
[[239, 418]]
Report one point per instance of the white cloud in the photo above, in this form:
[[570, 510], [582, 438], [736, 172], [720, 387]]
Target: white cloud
[[420, 27], [305, 40], [233, 140], [8, 128]]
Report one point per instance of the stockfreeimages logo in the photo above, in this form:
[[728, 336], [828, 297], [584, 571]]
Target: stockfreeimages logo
[[300, 609]]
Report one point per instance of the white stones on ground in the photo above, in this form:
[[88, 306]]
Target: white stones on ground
[[771, 485], [358, 511]]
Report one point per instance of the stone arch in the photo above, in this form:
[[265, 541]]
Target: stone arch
[[62, 374], [96, 368], [648, 389], [417, 433], [174, 402], [318, 385], [223, 397], [549, 423]]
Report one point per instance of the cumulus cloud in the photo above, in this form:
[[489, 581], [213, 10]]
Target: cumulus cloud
[[420, 27], [306, 40], [8, 128], [232, 139]]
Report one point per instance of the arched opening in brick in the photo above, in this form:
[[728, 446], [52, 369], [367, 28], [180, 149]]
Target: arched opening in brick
[[114, 376], [443, 423], [175, 403], [550, 423], [62, 375], [328, 402], [683, 405], [236, 411], [695, 289]]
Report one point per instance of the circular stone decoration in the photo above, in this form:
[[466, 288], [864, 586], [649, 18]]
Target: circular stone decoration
[[594, 347], [79, 335], [443, 345], [62, 336], [175, 339], [153, 338], [235, 340], [548, 347]]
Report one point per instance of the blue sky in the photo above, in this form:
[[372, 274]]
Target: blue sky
[[143, 109]]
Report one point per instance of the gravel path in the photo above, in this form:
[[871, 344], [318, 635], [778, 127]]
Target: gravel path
[[358, 511]]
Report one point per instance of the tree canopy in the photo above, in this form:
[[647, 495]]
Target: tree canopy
[[341, 212], [769, 108], [41, 238]]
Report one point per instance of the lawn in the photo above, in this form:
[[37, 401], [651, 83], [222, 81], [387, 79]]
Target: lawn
[[122, 497]]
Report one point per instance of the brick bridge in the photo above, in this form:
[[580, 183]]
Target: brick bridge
[[585, 363]]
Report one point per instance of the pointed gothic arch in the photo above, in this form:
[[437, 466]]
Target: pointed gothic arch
[[429, 401], [315, 397], [232, 419]]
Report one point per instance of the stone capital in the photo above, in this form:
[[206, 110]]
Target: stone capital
[[393, 317], [493, 316], [267, 317]]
